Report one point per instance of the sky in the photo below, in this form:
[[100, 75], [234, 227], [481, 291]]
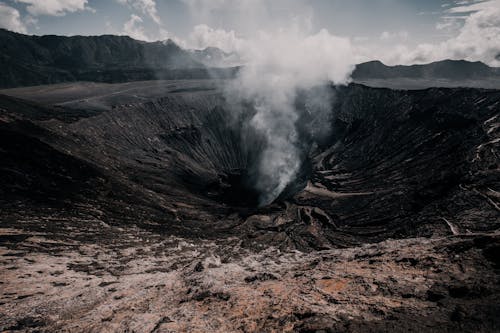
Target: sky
[[394, 31]]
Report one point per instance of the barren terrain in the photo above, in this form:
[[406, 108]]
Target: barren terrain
[[127, 208]]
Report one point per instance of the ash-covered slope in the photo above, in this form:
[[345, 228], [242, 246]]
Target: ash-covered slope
[[417, 159], [398, 164]]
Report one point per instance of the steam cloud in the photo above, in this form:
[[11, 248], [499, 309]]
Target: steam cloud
[[277, 67]]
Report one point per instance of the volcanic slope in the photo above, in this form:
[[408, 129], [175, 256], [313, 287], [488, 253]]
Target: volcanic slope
[[170, 179], [397, 164]]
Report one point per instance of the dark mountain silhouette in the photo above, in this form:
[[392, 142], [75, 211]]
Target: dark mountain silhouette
[[446, 69], [33, 60]]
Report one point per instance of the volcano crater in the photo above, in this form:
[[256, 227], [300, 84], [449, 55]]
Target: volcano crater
[[187, 163]]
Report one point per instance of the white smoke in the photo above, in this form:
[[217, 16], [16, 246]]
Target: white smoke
[[278, 66], [204, 36]]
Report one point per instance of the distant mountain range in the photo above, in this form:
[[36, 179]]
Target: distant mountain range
[[35, 60], [446, 69]]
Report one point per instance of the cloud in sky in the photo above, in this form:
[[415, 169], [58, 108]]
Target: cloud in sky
[[134, 28], [478, 39], [473, 29], [401, 35], [449, 24], [11, 19], [204, 36], [54, 7], [248, 17], [146, 7], [467, 29], [469, 6]]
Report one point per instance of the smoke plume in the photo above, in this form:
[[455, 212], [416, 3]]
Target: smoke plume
[[277, 68]]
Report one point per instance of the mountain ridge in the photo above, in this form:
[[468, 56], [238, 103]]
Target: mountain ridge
[[449, 69], [37, 60]]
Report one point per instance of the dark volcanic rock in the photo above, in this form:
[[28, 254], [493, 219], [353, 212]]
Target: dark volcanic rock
[[397, 164]]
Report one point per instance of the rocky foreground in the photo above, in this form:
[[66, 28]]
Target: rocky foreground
[[87, 276]]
